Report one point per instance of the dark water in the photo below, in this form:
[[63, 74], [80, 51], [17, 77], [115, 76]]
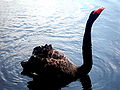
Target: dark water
[[25, 24]]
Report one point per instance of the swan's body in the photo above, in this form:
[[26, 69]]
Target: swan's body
[[49, 65], [46, 60]]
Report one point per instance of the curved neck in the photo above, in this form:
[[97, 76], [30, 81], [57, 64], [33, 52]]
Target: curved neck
[[87, 45], [87, 50]]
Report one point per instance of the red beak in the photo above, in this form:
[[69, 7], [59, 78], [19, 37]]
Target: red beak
[[99, 10]]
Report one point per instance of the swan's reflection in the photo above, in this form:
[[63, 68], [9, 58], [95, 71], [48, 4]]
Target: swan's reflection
[[43, 84], [86, 82]]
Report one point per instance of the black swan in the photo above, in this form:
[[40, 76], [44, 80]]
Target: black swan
[[53, 68]]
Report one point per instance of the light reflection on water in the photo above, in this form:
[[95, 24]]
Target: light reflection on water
[[25, 24]]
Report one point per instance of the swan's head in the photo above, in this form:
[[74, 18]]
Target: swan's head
[[94, 14]]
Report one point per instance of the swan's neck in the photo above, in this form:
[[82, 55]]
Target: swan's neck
[[87, 45], [86, 50]]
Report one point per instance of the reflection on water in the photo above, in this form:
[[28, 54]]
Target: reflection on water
[[25, 24], [40, 83]]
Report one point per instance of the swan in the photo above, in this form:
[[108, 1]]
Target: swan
[[50, 65]]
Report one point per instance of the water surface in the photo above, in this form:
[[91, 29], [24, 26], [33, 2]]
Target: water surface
[[25, 24]]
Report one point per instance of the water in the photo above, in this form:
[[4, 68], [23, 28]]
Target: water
[[25, 24]]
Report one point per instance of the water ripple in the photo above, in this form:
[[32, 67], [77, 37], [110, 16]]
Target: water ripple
[[10, 73], [102, 73]]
